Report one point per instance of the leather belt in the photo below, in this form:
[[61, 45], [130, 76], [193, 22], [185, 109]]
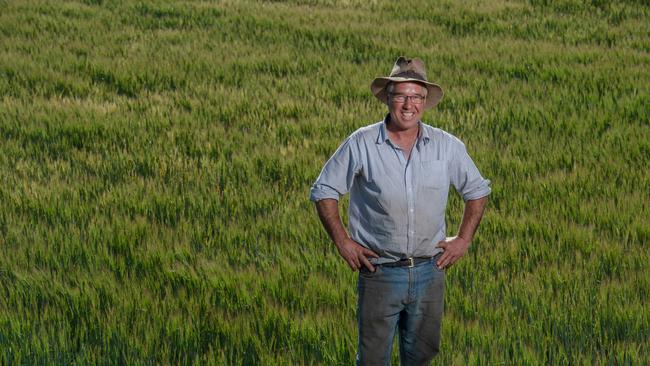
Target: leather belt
[[408, 262]]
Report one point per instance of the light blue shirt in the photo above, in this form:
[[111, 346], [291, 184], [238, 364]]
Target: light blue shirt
[[397, 206]]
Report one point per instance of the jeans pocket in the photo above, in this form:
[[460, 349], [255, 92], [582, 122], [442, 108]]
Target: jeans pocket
[[434, 263], [366, 273]]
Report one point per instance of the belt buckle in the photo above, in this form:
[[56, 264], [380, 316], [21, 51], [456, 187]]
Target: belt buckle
[[411, 263]]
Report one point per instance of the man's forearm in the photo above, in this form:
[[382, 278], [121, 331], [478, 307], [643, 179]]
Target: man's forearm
[[328, 212], [471, 218], [352, 252]]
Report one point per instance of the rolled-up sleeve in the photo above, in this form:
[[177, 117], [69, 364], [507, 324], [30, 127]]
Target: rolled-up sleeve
[[338, 174], [465, 176]]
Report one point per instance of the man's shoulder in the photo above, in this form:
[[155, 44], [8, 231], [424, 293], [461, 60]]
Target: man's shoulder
[[368, 133], [440, 136]]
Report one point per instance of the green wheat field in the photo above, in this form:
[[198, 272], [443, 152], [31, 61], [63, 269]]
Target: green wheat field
[[156, 159]]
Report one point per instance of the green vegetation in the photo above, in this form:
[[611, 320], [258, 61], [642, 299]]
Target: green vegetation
[[156, 159]]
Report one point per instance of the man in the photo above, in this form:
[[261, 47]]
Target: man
[[398, 173]]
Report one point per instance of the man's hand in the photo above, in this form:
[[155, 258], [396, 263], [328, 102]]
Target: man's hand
[[355, 254], [454, 248]]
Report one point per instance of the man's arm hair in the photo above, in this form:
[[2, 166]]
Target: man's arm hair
[[328, 212], [456, 247], [472, 218]]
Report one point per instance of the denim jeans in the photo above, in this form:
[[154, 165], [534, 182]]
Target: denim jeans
[[410, 300]]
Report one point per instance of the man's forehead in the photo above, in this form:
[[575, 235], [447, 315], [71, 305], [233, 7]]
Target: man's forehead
[[409, 87]]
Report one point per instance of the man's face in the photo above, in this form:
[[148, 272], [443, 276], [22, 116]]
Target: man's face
[[405, 111]]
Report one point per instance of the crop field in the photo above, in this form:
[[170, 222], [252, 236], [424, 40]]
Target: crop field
[[156, 159]]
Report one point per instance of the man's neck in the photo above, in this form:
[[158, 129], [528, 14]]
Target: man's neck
[[405, 139], [397, 135]]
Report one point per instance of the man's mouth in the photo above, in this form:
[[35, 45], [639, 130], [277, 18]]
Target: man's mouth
[[408, 115]]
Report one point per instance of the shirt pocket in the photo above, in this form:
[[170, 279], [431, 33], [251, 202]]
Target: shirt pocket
[[434, 174]]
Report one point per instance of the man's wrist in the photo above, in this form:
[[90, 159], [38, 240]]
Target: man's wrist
[[467, 238], [340, 241]]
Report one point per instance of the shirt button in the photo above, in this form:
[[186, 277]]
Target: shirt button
[[411, 210], [411, 232]]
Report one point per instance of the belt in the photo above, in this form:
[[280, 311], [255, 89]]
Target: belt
[[408, 262]]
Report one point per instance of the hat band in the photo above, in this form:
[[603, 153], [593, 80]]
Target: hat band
[[410, 74]]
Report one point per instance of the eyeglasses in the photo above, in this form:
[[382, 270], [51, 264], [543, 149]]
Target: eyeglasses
[[401, 98]]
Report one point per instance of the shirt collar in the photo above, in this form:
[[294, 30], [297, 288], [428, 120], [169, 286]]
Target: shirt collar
[[382, 136]]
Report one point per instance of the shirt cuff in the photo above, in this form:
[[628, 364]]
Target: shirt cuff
[[478, 192], [321, 192]]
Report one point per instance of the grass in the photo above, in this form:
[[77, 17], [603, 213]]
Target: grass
[[156, 159]]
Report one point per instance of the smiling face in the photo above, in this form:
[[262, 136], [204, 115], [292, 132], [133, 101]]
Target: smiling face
[[405, 111]]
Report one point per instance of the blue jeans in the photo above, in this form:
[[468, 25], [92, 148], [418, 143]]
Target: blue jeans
[[410, 300]]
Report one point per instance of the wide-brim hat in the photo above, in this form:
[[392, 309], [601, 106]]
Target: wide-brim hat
[[407, 70]]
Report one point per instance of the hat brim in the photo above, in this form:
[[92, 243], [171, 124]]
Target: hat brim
[[434, 91]]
